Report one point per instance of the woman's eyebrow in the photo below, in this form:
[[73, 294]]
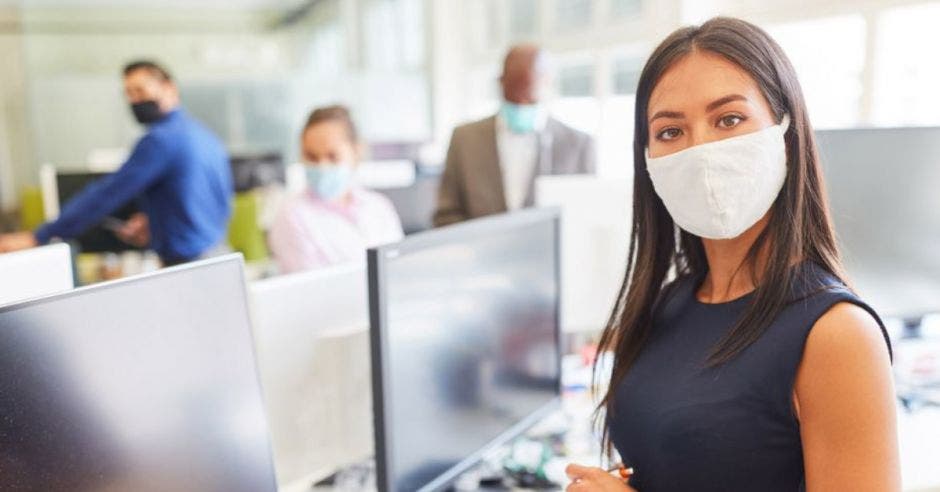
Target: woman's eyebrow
[[717, 103], [667, 114]]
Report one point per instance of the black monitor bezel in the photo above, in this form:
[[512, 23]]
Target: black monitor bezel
[[377, 258]]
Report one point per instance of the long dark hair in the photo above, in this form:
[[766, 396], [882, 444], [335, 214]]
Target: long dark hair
[[800, 227]]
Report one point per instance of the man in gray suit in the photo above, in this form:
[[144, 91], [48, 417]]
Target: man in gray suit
[[492, 164]]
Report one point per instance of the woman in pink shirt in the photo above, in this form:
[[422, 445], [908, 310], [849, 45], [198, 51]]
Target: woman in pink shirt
[[334, 220]]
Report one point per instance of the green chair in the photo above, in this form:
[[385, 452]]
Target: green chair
[[32, 213], [244, 232]]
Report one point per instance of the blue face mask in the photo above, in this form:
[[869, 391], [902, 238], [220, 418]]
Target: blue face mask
[[520, 117], [329, 181]]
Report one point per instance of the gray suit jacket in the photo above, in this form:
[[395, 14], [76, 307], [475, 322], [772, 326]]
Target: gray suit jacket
[[472, 184]]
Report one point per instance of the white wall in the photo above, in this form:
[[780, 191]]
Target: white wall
[[15, 140]]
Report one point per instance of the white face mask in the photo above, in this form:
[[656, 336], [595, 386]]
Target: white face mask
[[719, 189]]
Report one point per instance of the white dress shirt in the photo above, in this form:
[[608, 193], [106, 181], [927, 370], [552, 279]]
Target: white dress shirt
[[518, 159]]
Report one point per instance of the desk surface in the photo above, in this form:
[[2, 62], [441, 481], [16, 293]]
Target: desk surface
[[918, 433]]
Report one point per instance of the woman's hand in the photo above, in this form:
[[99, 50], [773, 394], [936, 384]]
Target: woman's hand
[[589, 479]]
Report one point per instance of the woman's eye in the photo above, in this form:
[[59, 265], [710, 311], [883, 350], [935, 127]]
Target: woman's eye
[[730, 121], [668, 134]]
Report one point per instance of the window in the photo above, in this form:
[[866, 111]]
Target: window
[[482, 26], [573, 14], [626, 74], [906, 73], [393, 32], [582, 113], [523, 18], [328, 49], [411, 14], [482, 93], [626, 8], [577, 105], [829, 57], [576, 81], [379, 32]]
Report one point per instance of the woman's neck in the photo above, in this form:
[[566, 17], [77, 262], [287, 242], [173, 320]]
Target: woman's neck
[[730, 275]]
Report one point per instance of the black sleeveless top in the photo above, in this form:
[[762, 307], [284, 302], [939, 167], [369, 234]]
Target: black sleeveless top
[[684, 426]]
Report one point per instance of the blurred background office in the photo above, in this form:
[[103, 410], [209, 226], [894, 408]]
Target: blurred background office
[[411, 71]]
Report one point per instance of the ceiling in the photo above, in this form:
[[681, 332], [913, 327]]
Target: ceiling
[[221, 4]]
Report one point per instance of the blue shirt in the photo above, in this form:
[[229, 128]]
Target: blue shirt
[[181, 173]]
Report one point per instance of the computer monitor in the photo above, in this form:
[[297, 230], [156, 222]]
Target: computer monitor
[[312, 343], [465, 344], [99, 238], [145, 384], [882, 185], [415, 203], [596, 222], [35, 272], [250, 171]]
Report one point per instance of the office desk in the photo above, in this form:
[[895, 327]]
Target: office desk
[[573, 419], [918, 432]]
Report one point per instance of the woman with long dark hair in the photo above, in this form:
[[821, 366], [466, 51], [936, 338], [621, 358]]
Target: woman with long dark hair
[[742, 358]]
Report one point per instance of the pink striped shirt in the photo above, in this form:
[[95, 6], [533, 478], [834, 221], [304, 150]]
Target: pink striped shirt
[[310, 233]]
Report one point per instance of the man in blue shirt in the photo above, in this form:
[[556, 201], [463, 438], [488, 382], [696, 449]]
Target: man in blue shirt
[[179, 171]]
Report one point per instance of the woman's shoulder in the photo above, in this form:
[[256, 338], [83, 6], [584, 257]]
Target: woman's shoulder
[[811, 279], [845, 322], [834, 307]]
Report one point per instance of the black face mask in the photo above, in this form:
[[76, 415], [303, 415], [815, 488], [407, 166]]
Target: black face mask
[[146, 112]]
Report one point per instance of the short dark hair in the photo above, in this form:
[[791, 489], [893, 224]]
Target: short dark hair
[[152, 67], [336, 112]]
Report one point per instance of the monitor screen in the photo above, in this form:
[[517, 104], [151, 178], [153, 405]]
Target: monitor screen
[[144, 384], [465, 343], [98, 239], [882, 185]]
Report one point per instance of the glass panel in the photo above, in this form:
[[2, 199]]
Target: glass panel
[[576, 80], [572, 14]]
